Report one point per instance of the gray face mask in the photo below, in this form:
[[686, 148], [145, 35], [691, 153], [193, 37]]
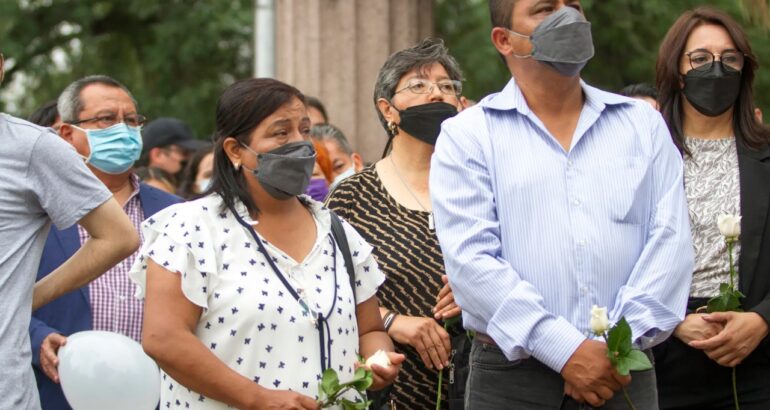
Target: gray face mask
[[285, 171], [562, 41]]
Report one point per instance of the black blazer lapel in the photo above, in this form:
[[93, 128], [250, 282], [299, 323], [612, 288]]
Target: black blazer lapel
[[754, 170]]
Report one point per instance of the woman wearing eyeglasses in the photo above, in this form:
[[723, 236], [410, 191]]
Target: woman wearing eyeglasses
[[705, 73], [388, 203]]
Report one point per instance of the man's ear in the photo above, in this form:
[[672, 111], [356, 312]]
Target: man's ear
[[358, 162], [502, 41], [66, 131]]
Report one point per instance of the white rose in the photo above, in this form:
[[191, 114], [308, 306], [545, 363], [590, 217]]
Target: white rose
[[729, 225], [380, 358], [599, 320]]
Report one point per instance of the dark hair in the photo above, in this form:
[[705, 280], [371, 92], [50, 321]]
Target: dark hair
[[501, 13], [187, 187], [318, 105], [240, 109], [429, 51], [745, 125], [45, 115], [639, 90]]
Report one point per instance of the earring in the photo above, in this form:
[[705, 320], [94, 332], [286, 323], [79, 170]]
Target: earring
[[392, 128], [237, 166]]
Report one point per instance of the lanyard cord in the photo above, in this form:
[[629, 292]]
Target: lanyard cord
[[322, 321]]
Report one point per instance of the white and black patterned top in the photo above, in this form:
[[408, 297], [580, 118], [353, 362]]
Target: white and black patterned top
[[250, 319], [713, 188]]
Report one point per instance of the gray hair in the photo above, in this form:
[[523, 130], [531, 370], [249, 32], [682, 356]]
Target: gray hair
[[70, 104], [428, 52], [328, 132]]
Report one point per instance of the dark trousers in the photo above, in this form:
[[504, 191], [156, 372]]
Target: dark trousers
[[495, 383], [689, 380]]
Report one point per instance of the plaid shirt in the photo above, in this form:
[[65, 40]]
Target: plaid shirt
[[113, 305]]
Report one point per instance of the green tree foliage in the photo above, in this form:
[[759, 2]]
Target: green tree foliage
[[176, 56], [627, 34]]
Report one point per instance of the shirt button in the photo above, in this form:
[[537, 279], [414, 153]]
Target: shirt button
[[581, 243], [575, 202], [569, 163]]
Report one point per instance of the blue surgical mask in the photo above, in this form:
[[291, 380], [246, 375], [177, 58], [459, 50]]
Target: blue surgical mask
[[113, 149], [203, 185], [341, 177]]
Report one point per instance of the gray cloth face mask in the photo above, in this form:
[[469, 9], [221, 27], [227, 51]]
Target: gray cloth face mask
[[562, 41], [285, 171]]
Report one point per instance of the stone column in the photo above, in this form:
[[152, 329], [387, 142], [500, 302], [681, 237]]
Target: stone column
[[333, 50]]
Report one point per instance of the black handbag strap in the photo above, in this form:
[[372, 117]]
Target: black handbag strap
[[338, 231]]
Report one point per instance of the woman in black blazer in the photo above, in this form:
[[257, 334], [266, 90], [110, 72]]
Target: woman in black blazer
[[705, 72]]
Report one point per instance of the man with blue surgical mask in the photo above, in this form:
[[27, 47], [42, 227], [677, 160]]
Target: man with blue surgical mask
[[551, 197], [100, 120]]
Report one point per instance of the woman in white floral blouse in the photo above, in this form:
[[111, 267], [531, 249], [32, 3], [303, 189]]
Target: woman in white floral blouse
[[248, 299]]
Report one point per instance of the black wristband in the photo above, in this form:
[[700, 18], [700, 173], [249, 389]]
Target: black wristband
[[388, 321]]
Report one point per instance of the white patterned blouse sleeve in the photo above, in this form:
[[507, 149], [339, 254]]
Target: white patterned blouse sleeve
[[178, 239], [369, 277]]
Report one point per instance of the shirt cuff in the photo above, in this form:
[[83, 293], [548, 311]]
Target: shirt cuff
[[555, 343]]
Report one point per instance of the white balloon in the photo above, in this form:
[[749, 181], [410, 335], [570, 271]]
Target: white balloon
[[104, 370]]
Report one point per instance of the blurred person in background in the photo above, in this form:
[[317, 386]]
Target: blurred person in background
[[322, 173], [46, 116], [316, 111], [196, 178], [642, 91], [100, 120], [156, 178], [388, 203], [167, 144], [344, 161], [705, 76]]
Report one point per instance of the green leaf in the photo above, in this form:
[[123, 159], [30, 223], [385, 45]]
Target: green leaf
[[330, 383], [637, 361], [619, 339], [451, 321], [728, 300], [717, 304], [364, 383], [622, 366]]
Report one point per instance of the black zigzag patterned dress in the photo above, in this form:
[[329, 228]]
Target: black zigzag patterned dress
[[408, 253]]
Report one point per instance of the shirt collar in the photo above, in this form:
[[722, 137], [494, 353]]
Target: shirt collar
[[511, 98], [134, 180], [320, 213]]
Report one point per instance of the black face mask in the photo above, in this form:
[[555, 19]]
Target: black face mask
[[424, 121], [713, 91], [285, 171]]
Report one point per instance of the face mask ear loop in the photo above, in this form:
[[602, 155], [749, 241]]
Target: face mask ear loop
[[520, 56], [90, 148]]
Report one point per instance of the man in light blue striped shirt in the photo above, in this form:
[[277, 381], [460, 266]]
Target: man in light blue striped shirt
[[550, 197]]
